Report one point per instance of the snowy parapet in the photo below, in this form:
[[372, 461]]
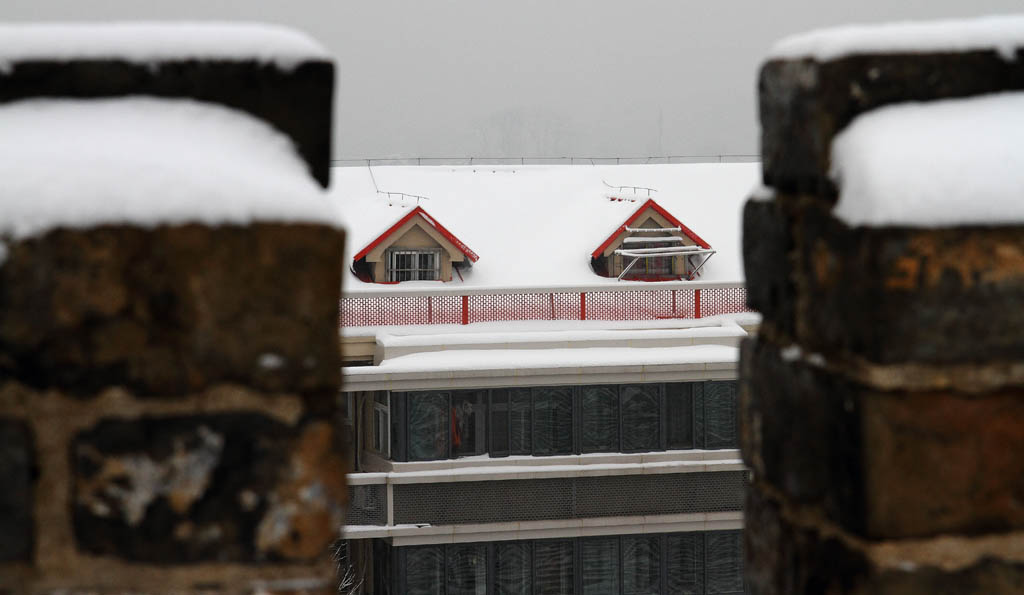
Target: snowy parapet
[[813, 85], [152, 43], [147, 161], [1002, 34], [942, 163], [276, 74]]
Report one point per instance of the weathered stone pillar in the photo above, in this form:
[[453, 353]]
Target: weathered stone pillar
[[882, 404], [168, 389]]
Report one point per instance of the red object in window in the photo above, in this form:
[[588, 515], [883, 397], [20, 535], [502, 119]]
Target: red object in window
[[456, 436]]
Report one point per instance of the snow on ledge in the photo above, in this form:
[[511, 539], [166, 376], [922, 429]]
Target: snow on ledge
[[144, 42], [941, 163], [147, 161], [1004, 34]]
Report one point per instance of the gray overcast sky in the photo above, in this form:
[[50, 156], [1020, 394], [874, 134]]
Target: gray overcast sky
[[534, 78]]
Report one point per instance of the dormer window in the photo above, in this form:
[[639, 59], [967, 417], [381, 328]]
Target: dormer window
[[651, 245], [416, 248], [413, 265]]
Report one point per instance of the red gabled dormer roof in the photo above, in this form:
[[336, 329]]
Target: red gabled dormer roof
[[418, 211], [650, 204]]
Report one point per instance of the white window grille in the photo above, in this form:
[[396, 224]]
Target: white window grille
[[414, 265]]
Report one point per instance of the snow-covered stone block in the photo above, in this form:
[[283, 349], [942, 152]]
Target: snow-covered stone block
[[812, 86], [275, 74]]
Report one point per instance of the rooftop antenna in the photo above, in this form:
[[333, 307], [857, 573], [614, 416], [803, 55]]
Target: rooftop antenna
[[619, 194], [391, 194]]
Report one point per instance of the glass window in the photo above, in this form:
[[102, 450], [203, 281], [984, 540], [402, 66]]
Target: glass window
[[682, 558], [467, 569], [599, 559], [414, 265], [599, 423], [424, 570], [469, 428], [499, 424], [679, 414], [552, 573], [724, 561], [552, 421], [641, 417], [520, 406], [429, 421], [513, 568], [641, 565], [381, 429], [720, 414]]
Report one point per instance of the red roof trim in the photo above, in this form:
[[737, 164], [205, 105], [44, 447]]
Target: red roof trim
[[636, 215], [472, 256]]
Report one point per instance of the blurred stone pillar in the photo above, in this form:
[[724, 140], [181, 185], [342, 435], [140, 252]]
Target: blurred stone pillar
[[882, 409], [167, 393]]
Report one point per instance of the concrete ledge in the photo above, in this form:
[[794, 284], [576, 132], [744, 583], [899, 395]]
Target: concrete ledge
[[403, 535]]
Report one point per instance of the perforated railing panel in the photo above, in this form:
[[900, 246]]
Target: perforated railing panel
[[366, 505], [641, 304], [377, 311], [723, 300], [568, 498], [524, 306]]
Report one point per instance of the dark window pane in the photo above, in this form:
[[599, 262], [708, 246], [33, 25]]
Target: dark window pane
[[552, 420], [424, 570], [429, 421], [720, 414], [641, 565], [640, 417], [467, 569], [599, 423], [553, 567], [520, 424], [600, 561], [499, 422], [724, 561], [679, 410], [683, 558], [469, 430], [513, 568]]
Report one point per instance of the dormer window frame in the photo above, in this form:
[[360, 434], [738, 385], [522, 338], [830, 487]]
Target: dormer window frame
[[407, 264]]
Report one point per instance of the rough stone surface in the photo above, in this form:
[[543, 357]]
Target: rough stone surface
[[883, 464], [297, 102], [784, 557], [892, 295], [805, 103], [174, 309], [17, 461], [213, 488], [767, 261]]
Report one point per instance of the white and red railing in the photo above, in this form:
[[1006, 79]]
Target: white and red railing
[[625, 301]]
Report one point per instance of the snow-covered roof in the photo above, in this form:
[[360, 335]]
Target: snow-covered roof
[[143, 42], [1004, 34], [537, 225], [940, 163], [81, 163], [432, 222]]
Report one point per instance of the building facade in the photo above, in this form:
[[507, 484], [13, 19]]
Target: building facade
[[613, 477]]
